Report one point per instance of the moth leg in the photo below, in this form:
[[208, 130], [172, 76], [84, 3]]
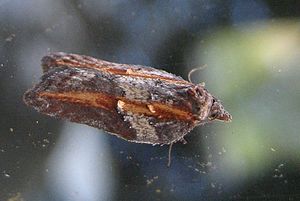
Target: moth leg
[[169, 154]]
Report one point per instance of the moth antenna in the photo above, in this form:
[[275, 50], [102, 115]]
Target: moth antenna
[[194, 70], [169, 156]]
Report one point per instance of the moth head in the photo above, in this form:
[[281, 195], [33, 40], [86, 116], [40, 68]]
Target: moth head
[[218, 112]]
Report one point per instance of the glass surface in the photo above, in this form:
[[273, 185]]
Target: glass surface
[[251, 50]]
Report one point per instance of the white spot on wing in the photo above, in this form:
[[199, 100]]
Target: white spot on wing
[[151, 108], [120, 104]]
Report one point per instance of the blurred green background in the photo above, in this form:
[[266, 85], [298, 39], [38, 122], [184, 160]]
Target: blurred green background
[[252, 52]]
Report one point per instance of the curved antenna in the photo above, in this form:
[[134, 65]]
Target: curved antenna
[[194, 70]]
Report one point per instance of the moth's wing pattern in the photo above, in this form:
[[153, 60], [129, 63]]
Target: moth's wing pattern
[[90, 97], [67, 93], [137, 103], [155, 129]]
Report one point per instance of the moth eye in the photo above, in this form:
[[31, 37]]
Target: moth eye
[[213, 115]]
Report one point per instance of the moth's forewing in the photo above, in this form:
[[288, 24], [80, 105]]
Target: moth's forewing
[[60, 59], [66, 93], [136, 103]]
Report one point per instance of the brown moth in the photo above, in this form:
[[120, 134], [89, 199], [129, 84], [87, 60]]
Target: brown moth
[[137, 103]]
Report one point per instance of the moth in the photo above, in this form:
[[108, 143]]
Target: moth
[[137, 103]]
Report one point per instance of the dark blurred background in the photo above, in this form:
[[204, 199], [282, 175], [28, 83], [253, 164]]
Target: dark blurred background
[[252, 52]]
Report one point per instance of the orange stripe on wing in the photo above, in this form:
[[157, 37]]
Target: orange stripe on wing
[[155, 109], [106, 102], [98, 100]]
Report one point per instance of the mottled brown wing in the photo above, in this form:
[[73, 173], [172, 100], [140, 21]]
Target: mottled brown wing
[[60, 59], [135, 108]]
